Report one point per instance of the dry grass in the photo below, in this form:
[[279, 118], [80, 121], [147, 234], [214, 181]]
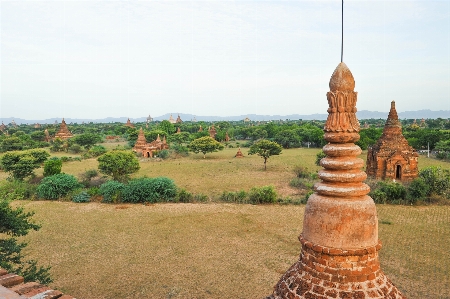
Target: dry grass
[[215, 250]]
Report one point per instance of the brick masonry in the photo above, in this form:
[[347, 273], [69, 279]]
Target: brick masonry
[[325, 273], [12, 286]]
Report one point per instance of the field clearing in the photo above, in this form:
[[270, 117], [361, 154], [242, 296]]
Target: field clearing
[[216, 250]]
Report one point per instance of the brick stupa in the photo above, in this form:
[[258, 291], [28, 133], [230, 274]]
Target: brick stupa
[[339, 256], [148, 149], [129, 124], [63, 132], [392, 157], [212, 132]]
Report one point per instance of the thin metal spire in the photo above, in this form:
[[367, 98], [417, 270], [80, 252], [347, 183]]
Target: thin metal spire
[[342, 32]]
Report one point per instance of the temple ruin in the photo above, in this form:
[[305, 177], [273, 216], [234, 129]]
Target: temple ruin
[[239, 154], [148, 149], [392, 157], [129, 124], [212, 132], [178, 121], [339, 255], [63, 132], [171, 120]]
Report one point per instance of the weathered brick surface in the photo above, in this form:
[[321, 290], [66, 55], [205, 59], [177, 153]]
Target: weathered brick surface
[[339, 256], [12, 286]]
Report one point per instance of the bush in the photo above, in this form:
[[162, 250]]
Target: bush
[[75, 149], [52, 166], [83, 196], [184, 196], [304, 200], [437, 179], [57, 186], [417, 190], [180, 149], [302, 183], [17, 190], [200, 197], [319, 156], [149, 190], [265, 194], [97, 150], [301, 172], [111, 191], [388, 192], [237, 197], [164, 154], [87, 176]]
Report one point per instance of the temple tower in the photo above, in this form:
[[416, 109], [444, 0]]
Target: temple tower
[[178, 121], [392, 157], [63, 132], [129, 124], [212, 132], [339, 256], [141, 142]]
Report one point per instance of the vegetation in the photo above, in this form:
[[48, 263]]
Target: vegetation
[[265, 149], [22, 164], [15, 222], [57, 186], [52, 166], [205, 145], [118, 164]]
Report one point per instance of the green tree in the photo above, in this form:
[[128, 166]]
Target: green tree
[[118, 164], [11, 144], [22, 164], [288, 139], [319, 156], [167, 127], [52, 166], [87, 140], [16, 223], [205, 145], [265, 149]]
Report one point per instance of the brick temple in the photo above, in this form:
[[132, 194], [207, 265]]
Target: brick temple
[[147, 149], [392, 157], [63, 132], [339, 254]]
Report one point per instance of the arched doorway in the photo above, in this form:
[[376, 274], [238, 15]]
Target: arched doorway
[[398, 172]]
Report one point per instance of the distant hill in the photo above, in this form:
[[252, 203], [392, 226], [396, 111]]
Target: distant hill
[[363, 114]]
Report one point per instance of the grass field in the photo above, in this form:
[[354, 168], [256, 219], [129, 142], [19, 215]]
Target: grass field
[[216, 250]]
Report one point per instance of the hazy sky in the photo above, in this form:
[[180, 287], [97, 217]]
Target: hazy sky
[[94, 59]]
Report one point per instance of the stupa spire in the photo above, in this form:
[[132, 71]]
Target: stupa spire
[[339, 256]]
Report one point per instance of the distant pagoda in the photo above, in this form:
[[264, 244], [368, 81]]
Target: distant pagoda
[[63, 132], [129, 124], [392, 157]]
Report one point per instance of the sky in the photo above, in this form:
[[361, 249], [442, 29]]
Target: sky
[[96, 59]]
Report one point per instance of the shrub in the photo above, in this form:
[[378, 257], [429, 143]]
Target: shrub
[[304, 200], [164, 154], [388, 192], [180, 149], [12, 190], [437, 179], [75, 149], [52, 166], [265, 194], [56, 186], [87, 176], [163, 189], [417, 190], [302, 183], [184, 196], [97, 150], [94, 191], [111, 191], [319, 156], [118, 164], [200, 197], [149, 190], [83, 196], [301, 172], [237, 197]]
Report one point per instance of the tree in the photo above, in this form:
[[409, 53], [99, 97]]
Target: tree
[[52, 166], [205, 145], [16, 223], [87, 140], [288, 139], [167, 127], [22, 164], [265, 149], [118, 164]]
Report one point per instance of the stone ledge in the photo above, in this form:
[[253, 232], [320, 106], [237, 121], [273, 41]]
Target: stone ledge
[[12, 286], [337, 251]]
